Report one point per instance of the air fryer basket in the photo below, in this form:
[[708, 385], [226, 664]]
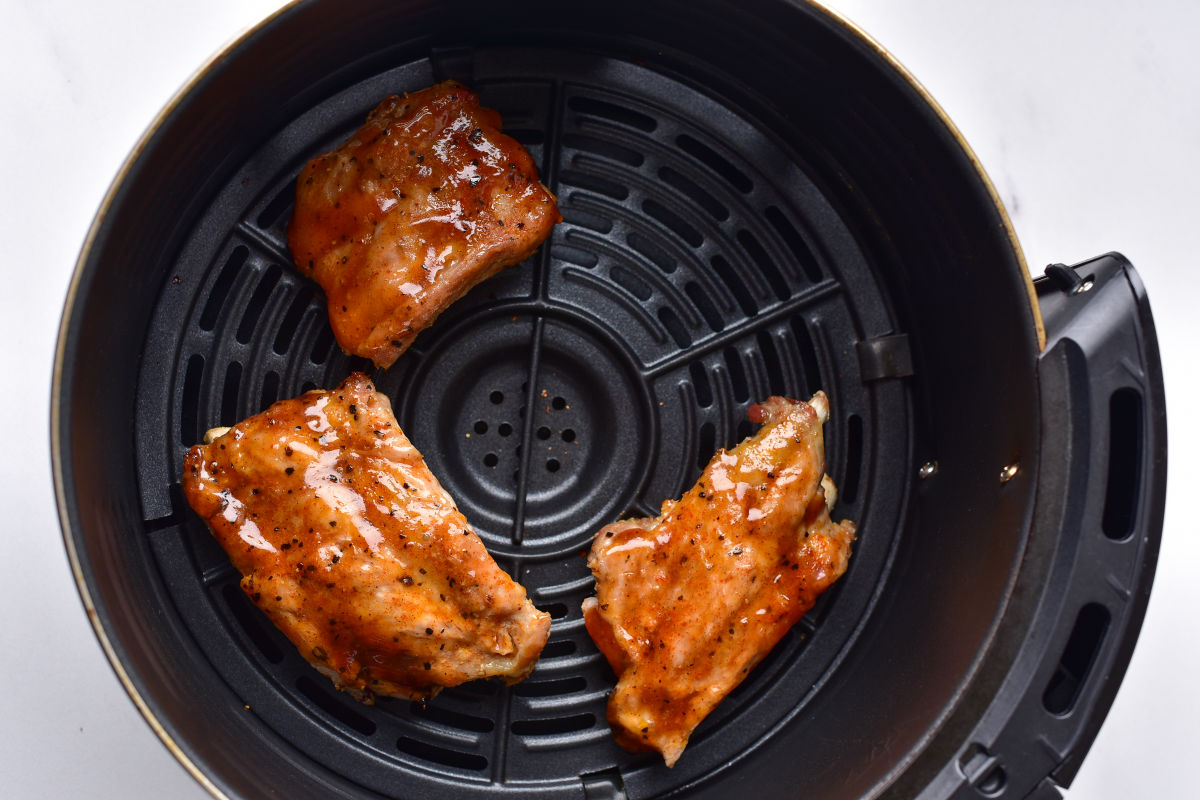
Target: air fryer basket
[[755, 201]]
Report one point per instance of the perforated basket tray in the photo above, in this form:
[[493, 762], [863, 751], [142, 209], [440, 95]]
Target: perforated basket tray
[[688, 280]]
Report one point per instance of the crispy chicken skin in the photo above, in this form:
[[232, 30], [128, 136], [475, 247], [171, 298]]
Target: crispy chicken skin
[[348, 543], [426, 200], [688, 603]]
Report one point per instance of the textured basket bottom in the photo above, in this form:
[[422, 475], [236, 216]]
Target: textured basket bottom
[[698, 269]]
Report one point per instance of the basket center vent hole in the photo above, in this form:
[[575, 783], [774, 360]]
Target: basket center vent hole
[[498, 432]]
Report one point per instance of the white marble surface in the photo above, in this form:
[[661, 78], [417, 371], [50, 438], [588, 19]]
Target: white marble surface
[[1086, 115]]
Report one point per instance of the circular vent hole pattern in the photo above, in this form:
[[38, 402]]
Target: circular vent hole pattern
[[687, 281]]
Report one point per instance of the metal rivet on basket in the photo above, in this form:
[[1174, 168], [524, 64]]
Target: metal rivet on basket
[[1086, 286], [1009, 472], [927, 470]]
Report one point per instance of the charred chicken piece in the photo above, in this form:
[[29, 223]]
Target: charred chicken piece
[[688, 603], [348, 543], [426, 200]]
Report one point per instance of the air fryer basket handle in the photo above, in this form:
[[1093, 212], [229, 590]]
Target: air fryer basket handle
[[1095, 537]]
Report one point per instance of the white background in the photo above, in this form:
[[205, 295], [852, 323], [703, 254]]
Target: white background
[[1086, 115]]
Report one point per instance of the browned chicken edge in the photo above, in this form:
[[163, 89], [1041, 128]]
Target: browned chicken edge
[[351, 547], [426, 200], [687, 603]]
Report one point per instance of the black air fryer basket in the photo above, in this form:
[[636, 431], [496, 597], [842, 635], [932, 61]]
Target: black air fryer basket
[[757, 200]]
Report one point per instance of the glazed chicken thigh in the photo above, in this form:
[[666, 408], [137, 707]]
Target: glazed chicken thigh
[[348, 543], [688, 603], [425, 201]]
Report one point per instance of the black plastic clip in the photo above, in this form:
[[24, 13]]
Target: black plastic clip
[[1064, 278], [885, 357]]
